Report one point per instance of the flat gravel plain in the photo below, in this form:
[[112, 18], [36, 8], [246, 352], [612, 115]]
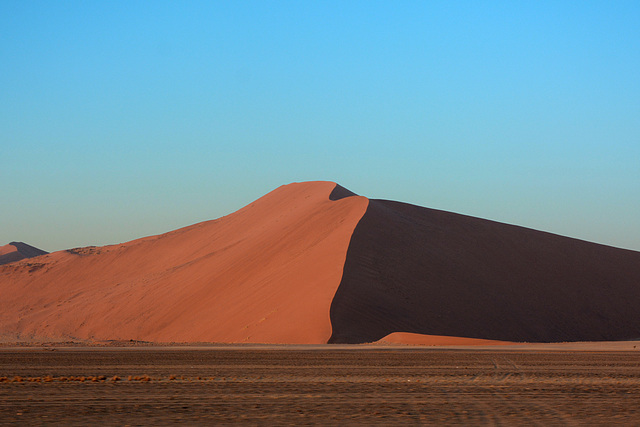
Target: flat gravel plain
[[297, 386]]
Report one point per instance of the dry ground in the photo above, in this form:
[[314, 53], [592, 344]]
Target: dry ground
[[268, 386]]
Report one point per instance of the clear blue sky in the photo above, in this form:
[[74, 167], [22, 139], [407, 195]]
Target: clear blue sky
[[124, 119]]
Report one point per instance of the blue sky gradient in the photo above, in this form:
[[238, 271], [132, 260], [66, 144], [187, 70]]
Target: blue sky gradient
[[125, 119]]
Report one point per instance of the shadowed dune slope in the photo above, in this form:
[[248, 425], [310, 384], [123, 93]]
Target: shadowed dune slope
[[15, 251], [417, 270], [266, 273]]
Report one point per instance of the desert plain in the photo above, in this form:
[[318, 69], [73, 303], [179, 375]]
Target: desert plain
[[140, 384]]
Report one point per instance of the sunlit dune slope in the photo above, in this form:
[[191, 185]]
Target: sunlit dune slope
[[266, 273], [15, 251], [424, 271]]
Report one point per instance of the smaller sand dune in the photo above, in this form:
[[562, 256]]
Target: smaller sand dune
[[420, 339], [15, 251]]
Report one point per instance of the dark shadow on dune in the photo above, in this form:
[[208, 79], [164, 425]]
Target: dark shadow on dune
[[420, 270], [340, 192], [11, 257]]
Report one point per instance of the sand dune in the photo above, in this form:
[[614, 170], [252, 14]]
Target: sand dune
[[15, 251], [311, 263]]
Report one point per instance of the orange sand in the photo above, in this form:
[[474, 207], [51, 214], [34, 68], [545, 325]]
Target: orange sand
[[7, 249]]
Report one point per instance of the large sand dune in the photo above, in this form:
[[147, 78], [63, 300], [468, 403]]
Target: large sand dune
[[314, 263]]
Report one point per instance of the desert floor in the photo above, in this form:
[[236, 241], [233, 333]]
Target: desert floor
[[269, 385]]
